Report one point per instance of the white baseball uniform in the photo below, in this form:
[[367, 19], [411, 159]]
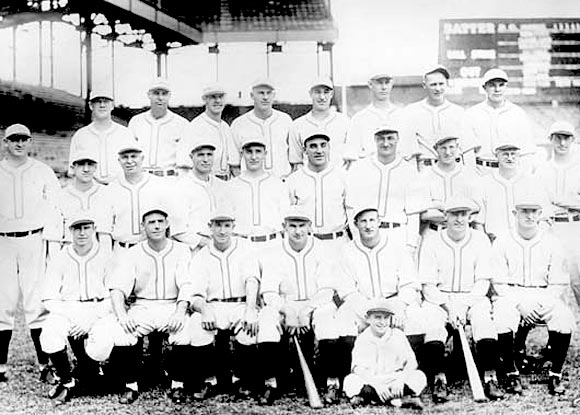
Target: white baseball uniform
[[159, 138], [453, 268], [391, 188], [360, 141], [159, 280], [274, 131], [104, 145], [334, 126], [294, 278], [219, 133], [75, 292], [530, 271], [28, 205], [220, 278]]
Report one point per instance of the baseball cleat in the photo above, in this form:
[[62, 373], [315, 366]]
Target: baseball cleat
[[177, 395], [514, 384], [129, 396], [492, 390], [555, 386]]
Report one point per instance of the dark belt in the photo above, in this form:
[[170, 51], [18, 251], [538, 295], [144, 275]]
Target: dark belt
[[161, 173], [228, 300], [331, 235], [426, 162], [126, 244], [484, 163], [574, 218], [261, 238], [436, 227], [527, 286], [92, 300], [20, 234], [225, 177], [388, 225]]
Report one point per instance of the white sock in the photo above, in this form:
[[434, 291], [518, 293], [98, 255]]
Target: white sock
[[176, 384], [133, 386]]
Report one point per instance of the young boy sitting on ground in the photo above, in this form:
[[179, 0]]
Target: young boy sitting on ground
[[384, 367]]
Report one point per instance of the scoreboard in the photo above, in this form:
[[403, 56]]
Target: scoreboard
[[537, 54]]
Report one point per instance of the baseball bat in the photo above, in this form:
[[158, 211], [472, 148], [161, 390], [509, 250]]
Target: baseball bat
[[472, 372], [313, 398]]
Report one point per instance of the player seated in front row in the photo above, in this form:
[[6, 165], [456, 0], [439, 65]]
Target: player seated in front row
[[384, 367]]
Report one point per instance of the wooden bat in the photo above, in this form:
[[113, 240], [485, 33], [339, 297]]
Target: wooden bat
[[472, 372], [313, 398]]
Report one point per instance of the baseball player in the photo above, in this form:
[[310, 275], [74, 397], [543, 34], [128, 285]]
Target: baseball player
[[83, 193], [425, 121], [501, 187], [209, 126], [384, 367], [226, 279], [265, 122], [560, 176], [258, 198], [447, 178], [389, 183], [320, 189], [155, 272], [297, 289], [497, 119], [455, 269], [75, 294], [320, 120], [377, 265], [530, 280], [202, 192], [102, 137], [159, 130], [28, 188], [381, 111]]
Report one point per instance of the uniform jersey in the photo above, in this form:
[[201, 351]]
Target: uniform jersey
[[152, 275], [104, 145], [274, 131], [258, 203], [322, 195], [29, 197], [423, 124], [221, 275], [129, 199], [452, 266], [487, 126], [384, 271], [360, 142], [72, 277], [159, 138], [93, 201], [561, 181], [537, 262], [335, 125], [296, 276], [498, 199], [219, 133]]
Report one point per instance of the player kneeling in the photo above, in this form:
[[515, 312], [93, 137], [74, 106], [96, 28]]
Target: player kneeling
[[76, 297], [530, 280], [155, 272], [384, 367]]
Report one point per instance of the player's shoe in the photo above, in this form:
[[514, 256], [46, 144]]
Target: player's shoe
[[3, 377], [129, 396], [555, 386], [492, 390], [177, 395], [207, 391], [440, 393], [513, 384], [268, 396], [331, 395], [64, 396], [412, 402]]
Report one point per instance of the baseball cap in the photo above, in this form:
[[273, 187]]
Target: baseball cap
[[160, 83], [561, 127], [83, 155], [263, 82], [155, 207], [439, 69], [130, 146], [380, 305], [213, 89], [506, 144], [380, 75], [222, 213], [101, 93], [200, 142], [527, 200], [248, 141], [459, 203], [494, 73], [445, 136], [315, 136], [80, 218], [296, 212], [386, 128], [322, 81], [362, 209], [17, 129]]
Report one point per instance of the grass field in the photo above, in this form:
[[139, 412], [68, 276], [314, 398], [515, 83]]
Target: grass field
[[24, 394]]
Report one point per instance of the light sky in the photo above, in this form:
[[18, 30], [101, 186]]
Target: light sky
[[399, 36]]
